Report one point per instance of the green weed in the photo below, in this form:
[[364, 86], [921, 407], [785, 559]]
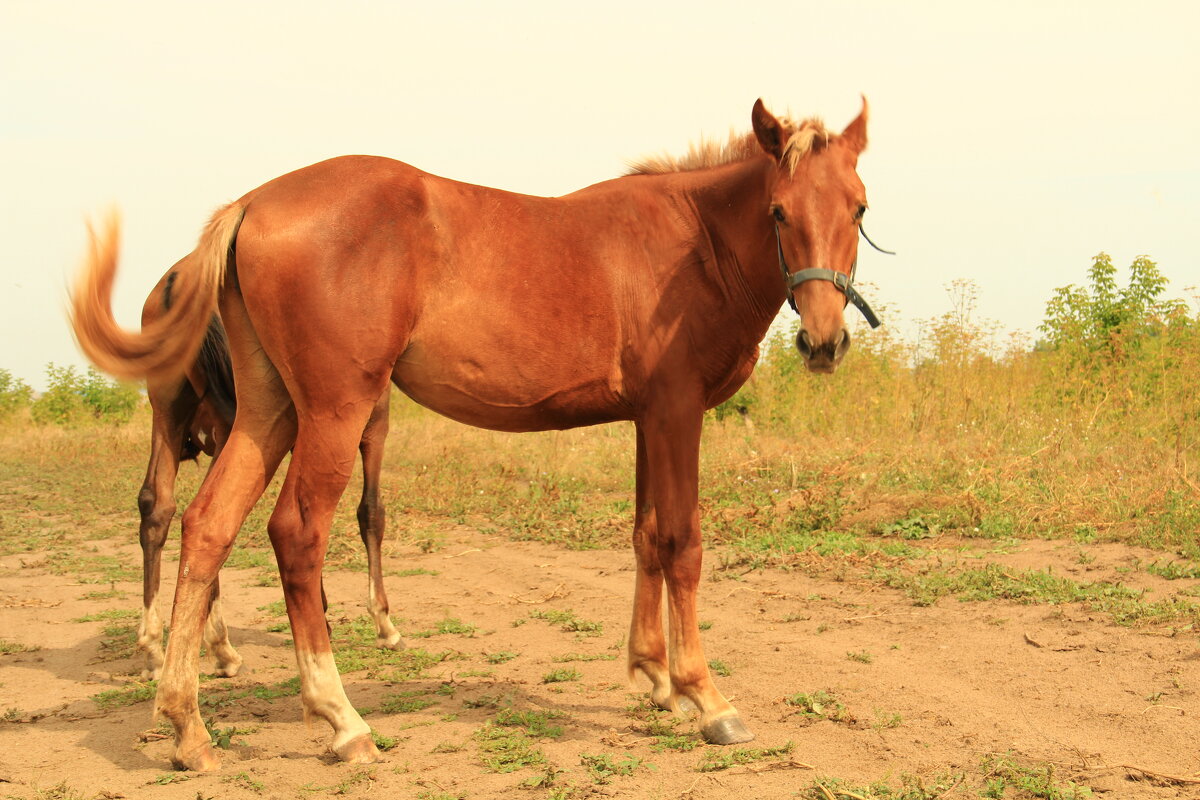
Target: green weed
[[126, 696], [604, 767], [717, 760], [562, 675], [819, 705], [568, 621], [507, 749]]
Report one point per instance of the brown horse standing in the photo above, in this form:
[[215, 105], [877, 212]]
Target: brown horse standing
[[642, 298], [191, 414]]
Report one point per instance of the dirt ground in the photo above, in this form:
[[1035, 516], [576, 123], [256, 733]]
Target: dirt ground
[[927, 690]]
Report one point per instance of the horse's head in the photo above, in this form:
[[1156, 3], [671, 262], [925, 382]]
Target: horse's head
[[817, 201]]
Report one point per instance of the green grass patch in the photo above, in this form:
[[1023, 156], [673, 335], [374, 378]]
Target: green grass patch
[[569, 657], [721, 759], [126, 695], [603, 767], [8, 648], [567, 621], [719, 667], [1002, 773], [507, 749], [1033, 586], [819, 705], [409, 573], [222, 698], [406, 702], [537, 724], [562, 675], [110, 614], [450, 626]]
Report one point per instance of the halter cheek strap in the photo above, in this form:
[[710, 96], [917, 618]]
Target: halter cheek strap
[[844, 282]]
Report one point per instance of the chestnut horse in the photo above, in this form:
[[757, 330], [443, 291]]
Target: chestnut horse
[[642, 298], [193, 414]]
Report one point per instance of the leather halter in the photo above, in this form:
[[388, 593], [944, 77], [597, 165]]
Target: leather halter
[[844, 282]]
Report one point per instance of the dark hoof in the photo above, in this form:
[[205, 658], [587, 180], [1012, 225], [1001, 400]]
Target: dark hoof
[[726, 730]]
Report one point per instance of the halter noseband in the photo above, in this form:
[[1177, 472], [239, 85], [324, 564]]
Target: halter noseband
[[844, 282]]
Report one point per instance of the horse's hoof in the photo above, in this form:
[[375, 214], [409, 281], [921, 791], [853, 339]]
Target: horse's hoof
[[393, 642], [662, 701], [726, 730], [359, 750], [199, 759], [229, 669]]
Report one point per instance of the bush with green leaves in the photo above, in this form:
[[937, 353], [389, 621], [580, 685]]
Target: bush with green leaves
[[72, 399], [15, 394]]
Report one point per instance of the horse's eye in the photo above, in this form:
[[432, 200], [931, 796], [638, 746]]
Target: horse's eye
[[862, 209], [777, 213]]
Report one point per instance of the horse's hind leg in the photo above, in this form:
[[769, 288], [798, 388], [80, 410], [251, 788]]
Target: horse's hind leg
[[172, 406], [216, 637], [299, 528], [371, 520], [216, 634], [262, 433]]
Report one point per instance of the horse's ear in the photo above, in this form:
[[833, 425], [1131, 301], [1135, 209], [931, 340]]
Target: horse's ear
[[767, 130], [855, 134]]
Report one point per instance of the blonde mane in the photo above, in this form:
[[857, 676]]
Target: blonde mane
[[803, 138]]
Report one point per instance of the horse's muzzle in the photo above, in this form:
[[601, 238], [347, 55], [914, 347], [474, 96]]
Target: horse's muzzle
[[825, 356]]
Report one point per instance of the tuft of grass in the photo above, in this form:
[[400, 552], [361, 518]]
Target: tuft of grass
[[448, 626], [535, 723], [562, 675], [603, 767], [384, 743], [502, 657], [507, 749], [126, 696], [224, 697], [244, 781], [223, 737], [568, 621], [819, 705], [9, 648], [409, 573], [110, 614], [862, 657], [569, 657], [719, 667], [886, 719], [717, 760], [406, 702], [993, 581], [1002, 772]]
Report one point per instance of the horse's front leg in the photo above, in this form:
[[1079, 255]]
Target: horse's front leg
[[647, 646], [672, 438]]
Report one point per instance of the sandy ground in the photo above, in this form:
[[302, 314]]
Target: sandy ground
[[926, 690]]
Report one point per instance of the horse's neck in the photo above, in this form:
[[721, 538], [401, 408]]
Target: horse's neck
[[731, 204]]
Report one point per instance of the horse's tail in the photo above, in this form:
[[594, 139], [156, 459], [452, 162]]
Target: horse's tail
[[166, 347]]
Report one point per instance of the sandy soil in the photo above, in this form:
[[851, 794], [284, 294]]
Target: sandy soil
[[926, 690]]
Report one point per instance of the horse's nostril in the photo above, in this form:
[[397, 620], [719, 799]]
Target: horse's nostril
[[804, 344], [841, 344]]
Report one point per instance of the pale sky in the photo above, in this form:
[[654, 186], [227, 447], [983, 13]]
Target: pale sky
[[1010, 142]]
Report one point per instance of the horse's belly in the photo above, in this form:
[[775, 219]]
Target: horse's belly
[[511, 391]]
